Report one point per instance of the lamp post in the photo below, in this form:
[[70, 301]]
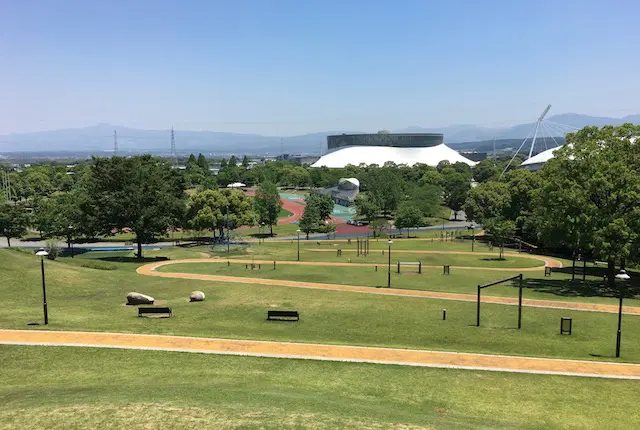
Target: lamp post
[[621, 277], [389, 266], [298, 231], [472, 227], [261, 233], [42, 253], [70, 240]]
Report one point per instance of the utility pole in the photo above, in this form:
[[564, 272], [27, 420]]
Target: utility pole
[[115, 142]]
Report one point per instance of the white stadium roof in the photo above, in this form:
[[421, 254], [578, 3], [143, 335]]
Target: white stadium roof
[[379, 155], [542, 157]]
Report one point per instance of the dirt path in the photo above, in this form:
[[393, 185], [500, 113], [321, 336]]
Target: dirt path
[[404, 357], [548, 261], [150, 270]]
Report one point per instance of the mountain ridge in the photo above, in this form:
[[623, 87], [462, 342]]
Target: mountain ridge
[[99, 138]]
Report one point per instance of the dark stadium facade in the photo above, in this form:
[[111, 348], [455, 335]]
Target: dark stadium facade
[[398, 140]]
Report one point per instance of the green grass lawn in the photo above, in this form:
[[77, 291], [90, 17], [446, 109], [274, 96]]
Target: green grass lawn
[[82, 298], [68, 388], [558, 287]]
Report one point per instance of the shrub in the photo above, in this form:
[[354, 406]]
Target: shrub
[[98, 265], [53, 249]]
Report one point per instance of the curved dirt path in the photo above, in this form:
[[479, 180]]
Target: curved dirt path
[[359, 354], [548, 261], [150, 270]]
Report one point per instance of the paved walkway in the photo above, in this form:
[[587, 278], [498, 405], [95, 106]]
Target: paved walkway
[[403, 357], [150, 270]]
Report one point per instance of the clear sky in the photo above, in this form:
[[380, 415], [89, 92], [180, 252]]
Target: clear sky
[[295, 66]]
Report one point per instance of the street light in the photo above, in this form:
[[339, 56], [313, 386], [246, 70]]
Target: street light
[[621, 277], [472, 227], [42, 253], [70, 240], [389, 266], [298, 230]]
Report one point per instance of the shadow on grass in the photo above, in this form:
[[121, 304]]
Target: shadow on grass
[[577, 288], [133, 259], [493, 259]]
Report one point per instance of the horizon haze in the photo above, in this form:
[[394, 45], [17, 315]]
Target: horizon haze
[[285, 68]]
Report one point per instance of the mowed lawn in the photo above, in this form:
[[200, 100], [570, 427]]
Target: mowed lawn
[[82, 298], [67, 388], [536, 286]]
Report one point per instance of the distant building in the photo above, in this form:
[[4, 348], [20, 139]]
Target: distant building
[[382, 147], [474, 156], [344, 194], [298, 158]]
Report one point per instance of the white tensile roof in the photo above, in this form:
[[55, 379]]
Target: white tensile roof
[[542, 157], [379, 155], [236, 185]]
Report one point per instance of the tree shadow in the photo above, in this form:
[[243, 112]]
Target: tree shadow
[[493, 259], [578, 288], [133, 259]]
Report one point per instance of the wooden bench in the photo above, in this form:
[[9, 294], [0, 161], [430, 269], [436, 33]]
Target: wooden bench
[[154, 310], [283, 315]]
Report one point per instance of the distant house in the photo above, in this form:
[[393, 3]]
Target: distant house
[[344, 194]]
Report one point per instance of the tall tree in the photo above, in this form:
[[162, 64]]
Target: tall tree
[[202, 163], [485, 170], [456, 188], [142, 193], [408, 217], [590, 192], [245, 162], [500, 230], [13, 220], [268, 203], [217, 209], [310, 219], [322, 203], [366, 207]]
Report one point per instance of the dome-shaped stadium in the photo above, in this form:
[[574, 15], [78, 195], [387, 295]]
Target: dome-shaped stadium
[[379, 148]]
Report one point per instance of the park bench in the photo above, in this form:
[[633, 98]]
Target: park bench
[[410, 263], [154, 310], [283, 315]]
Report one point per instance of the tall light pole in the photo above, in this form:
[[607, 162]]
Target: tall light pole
[[472, 227], [622, 278], [71, 240], [298, 230], [42, 253], [389, 266], [227, 228]]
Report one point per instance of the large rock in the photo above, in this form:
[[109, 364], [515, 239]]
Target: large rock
[[139, 299], [196, 296]]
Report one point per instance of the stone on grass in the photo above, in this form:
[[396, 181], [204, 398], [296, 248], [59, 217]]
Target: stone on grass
[[196, 296], [139, 299]]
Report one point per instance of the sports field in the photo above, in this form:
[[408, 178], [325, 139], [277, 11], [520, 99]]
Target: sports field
[[88, 385]]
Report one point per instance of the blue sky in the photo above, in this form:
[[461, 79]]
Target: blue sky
[[289, 67]]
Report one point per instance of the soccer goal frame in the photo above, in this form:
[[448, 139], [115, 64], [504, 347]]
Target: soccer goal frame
[[513, 278]]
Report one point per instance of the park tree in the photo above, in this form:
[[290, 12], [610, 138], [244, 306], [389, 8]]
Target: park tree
[[485, 171], [408, 216], [386, 186], [366, 207], [431, 177], [426, 198], [379, 225], [245, 162], [267, 203], [202, 163], [310, 220], [219, 209], [590, 192], [322, 203], [500, 230], [486, 201], [456, 187], [14, 220], [142, 193]]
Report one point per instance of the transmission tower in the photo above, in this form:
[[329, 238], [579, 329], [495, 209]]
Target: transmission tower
[[6, 186], [174, 154], [115, 142]]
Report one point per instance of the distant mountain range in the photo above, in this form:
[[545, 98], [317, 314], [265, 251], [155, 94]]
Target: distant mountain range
[[99, 139]]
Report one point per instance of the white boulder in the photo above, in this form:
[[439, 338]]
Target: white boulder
[[196, 296], [139, 299]]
